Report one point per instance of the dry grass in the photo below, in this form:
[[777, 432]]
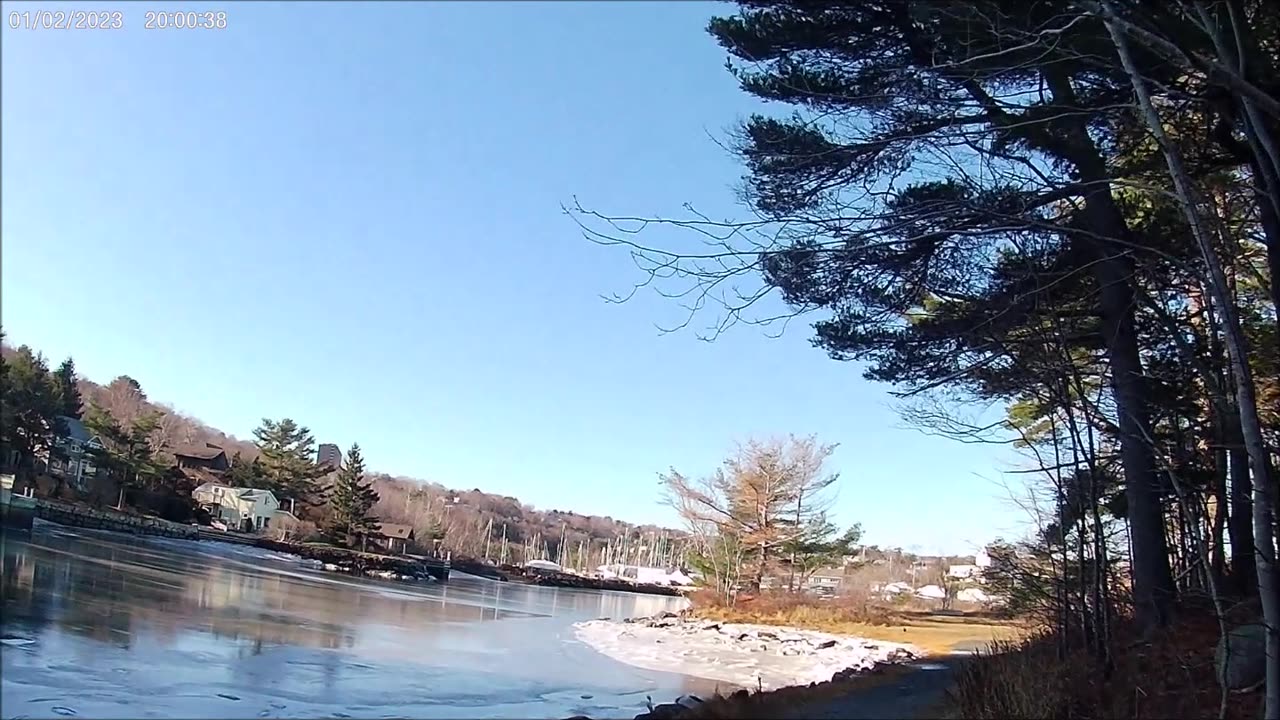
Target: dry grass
[[1170, 675], [934, 632]]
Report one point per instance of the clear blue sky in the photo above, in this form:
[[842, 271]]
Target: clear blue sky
[[350, 215]]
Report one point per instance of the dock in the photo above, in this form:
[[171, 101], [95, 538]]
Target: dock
[[17, 512]]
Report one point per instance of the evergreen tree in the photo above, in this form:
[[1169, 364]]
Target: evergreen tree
[[127, 451], [353, 498], [288, 461], [247, 473], [30, 406], [66, 391]]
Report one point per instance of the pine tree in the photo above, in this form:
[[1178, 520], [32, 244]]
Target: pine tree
[[353, 498], [288, 461], [66, 391], [246, 473], [30, 408], [128, 450]]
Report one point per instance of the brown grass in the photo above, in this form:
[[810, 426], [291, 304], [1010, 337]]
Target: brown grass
[[1166, 676], [935, 632]]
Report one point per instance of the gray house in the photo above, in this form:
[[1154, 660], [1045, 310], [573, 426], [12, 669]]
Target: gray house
[[74, 449]]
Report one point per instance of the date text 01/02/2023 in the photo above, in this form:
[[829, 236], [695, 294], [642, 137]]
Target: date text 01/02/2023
[[116, 20]]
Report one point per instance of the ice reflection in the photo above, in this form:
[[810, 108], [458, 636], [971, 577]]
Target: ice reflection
[[110, 625]]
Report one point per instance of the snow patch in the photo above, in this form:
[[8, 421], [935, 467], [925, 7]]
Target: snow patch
[[747, 656]]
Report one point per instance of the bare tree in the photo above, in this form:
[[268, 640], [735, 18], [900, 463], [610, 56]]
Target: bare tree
[[764, 497]]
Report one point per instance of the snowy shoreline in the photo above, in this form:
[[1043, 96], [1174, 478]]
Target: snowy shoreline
[[744, 656]]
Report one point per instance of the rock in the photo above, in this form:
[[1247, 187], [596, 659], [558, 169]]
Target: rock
[[1241, 657], [665, 711], [668, 616], [899, 655], [689, 701], [823, 645], [790, 651], [766, 635]]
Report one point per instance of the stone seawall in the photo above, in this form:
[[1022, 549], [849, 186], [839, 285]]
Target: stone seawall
[[93, 519]]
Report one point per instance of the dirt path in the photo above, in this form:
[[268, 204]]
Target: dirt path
[[916, 694]]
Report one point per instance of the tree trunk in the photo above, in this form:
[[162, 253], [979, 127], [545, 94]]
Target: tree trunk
[[1237, 351], [1153, 588]]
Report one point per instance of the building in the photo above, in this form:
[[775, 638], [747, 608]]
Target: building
[[244, 509], [208, 457], [73, 453], [390, 537], [329, 454], [825, 581]]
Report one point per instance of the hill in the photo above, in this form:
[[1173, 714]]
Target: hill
[[474, 522]]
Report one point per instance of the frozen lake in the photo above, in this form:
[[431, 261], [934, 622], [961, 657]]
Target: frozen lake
[[100, 625]]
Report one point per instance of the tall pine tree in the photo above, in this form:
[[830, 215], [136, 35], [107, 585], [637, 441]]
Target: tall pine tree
[[30, 408], [288, 460], [66, 391], [353, 498]]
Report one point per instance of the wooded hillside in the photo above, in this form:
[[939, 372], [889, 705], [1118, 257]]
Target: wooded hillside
[[465, 518]]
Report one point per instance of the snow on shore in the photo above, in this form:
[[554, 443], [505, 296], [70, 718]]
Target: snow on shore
[[747, 656]]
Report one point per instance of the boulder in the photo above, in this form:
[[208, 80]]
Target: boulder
[[898, 655], [1241, 657], [689, 701], [665, 711], [823, 645]]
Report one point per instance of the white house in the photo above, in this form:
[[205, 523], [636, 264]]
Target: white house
[[246, 509]]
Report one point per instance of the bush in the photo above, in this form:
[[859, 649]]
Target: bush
[[287, 529], [1167, 675], [795, 609]]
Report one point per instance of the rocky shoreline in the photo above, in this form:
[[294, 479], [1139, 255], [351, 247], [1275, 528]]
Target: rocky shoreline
[[787, 657]]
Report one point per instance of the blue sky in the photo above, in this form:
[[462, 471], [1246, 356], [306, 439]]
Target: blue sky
[[351, 216]]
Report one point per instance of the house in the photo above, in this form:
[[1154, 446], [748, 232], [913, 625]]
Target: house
[[202, 457], [391, 537], [246, 509], [964, 572], [73, 453], [825, 581]]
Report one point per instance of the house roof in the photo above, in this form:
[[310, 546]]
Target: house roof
[[242, 493], [76, 429], [207, 452], [394, 530]]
